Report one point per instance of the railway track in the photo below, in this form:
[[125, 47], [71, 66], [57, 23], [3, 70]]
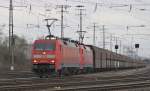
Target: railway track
[[118, 86], [76, 83], [13, 74], [80, 85]]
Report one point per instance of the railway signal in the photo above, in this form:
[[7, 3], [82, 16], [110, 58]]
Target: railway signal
[[116, 47], [137, 45]]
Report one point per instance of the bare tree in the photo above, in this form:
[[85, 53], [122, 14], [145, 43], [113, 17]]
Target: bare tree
[[22, 62]]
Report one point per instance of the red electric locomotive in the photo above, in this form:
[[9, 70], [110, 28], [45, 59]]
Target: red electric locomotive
[[62, 56]]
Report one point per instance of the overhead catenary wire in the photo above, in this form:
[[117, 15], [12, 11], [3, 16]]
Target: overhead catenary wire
[[33, 7]]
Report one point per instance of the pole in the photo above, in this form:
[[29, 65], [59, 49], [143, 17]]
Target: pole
[[11, 37], [81, 33], [94, 35], [111, 42], [103, 36], [132, 46], [136, 47], [120, 46], [81, 25], [62, 18], [136, 56]]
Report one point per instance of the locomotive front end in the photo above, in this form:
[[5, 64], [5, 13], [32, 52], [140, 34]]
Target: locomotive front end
[[43, 56]]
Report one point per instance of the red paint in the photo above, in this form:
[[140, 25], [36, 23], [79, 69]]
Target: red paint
[[65, 54], [81, 57], [43, 53]]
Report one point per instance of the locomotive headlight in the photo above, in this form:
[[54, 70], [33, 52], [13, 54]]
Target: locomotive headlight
[[44, 53], [34, 61], [53, 61]]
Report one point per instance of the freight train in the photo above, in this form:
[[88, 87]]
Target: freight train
[[64, 56]]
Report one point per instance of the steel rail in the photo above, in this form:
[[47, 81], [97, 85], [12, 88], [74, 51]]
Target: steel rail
[[105, 87], [69, 84]]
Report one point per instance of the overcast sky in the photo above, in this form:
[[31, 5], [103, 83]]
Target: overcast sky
[[116, 15]]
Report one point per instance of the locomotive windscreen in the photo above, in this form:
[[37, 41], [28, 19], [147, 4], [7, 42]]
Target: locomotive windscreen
[[44, 46]]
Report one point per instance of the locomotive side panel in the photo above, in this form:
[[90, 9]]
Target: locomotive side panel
[[70, 57]]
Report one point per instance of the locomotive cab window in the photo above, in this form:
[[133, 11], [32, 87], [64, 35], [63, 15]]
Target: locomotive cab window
[[44, 46]]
